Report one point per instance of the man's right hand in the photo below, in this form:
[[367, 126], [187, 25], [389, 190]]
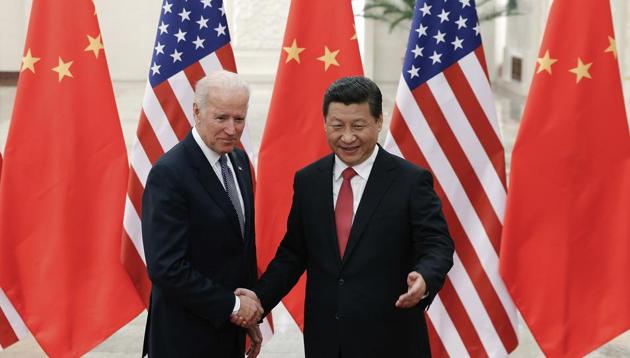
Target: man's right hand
[[250, 311]]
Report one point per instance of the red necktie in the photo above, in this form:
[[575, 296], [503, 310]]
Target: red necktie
[[343, 210]]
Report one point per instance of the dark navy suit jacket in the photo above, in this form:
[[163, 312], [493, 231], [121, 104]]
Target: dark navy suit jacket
[[195, 254]]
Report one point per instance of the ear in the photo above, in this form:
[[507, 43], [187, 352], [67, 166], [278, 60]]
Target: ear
[[379, 122], [196, 112]]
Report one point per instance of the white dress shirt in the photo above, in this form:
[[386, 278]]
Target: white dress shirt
[[357, 182], [213, 159]]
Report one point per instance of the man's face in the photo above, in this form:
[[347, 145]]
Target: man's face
[[222, 122], [352, 131]]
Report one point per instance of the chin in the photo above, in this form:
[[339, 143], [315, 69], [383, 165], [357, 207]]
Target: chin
[[349, 160], [228, 149]]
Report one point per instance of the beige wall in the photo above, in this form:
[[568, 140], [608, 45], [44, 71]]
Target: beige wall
[[13, 19], [128, 29]]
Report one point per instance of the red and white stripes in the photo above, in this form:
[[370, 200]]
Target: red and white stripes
[[449, 125], [12, 328]]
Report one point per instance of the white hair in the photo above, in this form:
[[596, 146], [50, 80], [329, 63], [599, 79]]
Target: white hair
[[218, 82]]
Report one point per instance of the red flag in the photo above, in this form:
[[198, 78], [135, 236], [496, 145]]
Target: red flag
[[63, 187], [12, 327], [565, 255], [319, 47]]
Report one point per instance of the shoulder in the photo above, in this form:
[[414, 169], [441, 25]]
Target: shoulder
[[174, 158], [403, 166], [175, 165], [323, 164]]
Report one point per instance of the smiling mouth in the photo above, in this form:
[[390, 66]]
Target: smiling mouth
[[350, 150]]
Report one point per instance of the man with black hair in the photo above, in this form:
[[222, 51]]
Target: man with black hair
[[368, 229]]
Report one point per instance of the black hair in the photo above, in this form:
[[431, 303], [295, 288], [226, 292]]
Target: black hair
[[355, 90]]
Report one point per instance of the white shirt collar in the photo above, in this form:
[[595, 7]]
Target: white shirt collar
[[363, 169], [211, 155]]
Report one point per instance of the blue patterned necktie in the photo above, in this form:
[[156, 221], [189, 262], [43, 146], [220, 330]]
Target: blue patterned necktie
[[230, 188]]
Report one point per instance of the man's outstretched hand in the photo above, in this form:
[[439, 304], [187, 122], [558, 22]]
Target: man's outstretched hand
[[416, 291]]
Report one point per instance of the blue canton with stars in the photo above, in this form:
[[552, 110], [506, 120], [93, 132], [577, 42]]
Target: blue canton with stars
[[188, 30], [442, 32]]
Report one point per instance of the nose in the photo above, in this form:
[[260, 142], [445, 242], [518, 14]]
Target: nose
[[347, 136], [230, 127]]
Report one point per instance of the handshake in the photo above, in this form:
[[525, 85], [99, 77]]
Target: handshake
[[250, 311]]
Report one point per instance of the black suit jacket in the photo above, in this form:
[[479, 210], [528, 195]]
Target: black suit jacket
[[349, 307], [195, 254]]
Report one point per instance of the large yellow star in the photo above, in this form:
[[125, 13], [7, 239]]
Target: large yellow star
[[29, 61], [63, 69], [581, 70], [612, 47], [545, 63], [293, 52], [329, 58], [95, 44]]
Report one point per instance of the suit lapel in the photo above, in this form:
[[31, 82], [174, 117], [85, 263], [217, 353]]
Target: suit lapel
[[324, 196], [245, 186], [209, 180], [381, 177]]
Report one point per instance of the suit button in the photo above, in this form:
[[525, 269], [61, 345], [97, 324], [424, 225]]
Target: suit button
[[341, 282]]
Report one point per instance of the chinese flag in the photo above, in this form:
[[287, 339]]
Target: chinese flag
[[63, 187], [319, 47], [565, 254]]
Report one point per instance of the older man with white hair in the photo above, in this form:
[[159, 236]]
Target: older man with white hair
[[198, 232]]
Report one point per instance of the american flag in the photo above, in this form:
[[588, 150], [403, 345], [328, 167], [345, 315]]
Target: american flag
[[192, 40], [444, 119]]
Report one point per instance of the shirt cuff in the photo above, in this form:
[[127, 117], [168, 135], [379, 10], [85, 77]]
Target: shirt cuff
[[237, 305]]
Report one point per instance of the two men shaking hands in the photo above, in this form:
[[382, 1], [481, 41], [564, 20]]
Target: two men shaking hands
[[365, 225]]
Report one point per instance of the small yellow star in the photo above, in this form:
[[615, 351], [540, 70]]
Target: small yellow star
[[29, 61], [612, 47], [354, 35], [545, 63], [329, 58], [581, 70], [95, 44], [63, 69], [293, 52]]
